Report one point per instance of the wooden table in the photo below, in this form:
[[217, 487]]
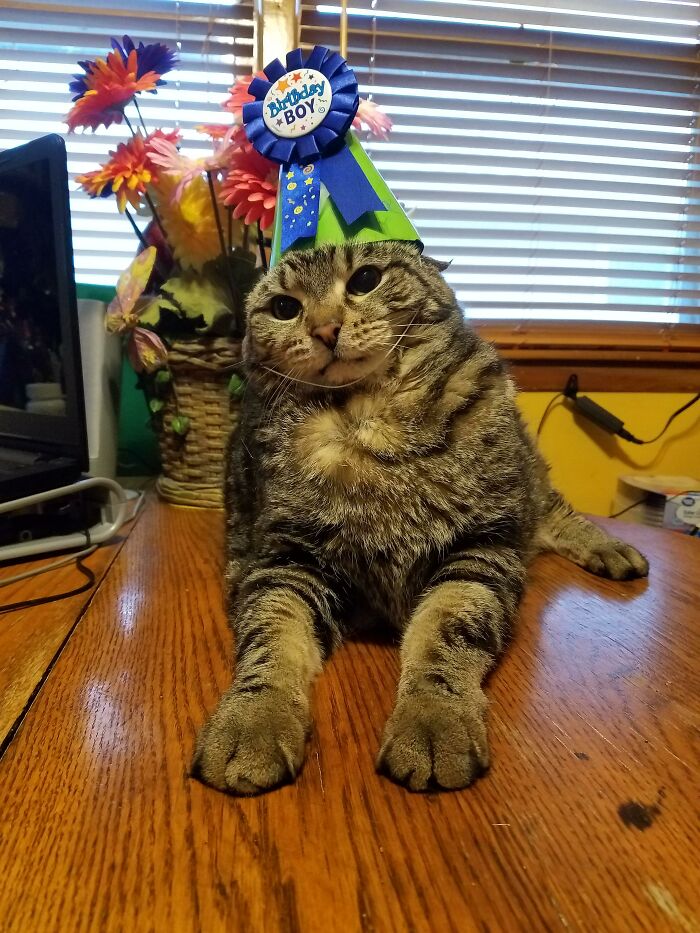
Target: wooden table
[[588, 819]]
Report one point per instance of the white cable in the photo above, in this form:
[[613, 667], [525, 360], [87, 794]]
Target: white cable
[[36, 571]]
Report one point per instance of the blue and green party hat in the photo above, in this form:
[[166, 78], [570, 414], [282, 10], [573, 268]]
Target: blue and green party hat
[[329, 190]]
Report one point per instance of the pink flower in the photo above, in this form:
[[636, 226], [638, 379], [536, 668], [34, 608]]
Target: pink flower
[[146, 351], [170, 160], [375, 121]]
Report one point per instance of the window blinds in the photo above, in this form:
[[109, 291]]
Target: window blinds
[[40, 43], [550, 150]]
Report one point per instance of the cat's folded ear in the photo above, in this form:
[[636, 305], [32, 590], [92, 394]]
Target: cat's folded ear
[[436, 263]]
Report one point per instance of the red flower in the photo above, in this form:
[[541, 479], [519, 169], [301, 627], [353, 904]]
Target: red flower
[[253, 197], [251, 185], [109, 86]]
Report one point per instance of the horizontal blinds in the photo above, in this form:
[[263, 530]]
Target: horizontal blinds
[[550, 150], [40, 43]]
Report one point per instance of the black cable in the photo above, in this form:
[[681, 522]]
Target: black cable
[[41, 600], [628, 508], [547, 410], [672, 418], [80, 566]]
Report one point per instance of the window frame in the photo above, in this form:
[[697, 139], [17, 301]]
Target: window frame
[[614, 357]]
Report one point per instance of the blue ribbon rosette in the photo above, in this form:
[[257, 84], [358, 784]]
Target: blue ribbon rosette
[[300, 118]]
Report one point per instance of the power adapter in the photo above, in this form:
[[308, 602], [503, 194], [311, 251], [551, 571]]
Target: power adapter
[[606, 420]]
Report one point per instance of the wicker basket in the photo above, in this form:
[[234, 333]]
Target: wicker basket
[[193, 465]]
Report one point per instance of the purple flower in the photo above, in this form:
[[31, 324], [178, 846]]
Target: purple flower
[[153, 57], [78, 85]]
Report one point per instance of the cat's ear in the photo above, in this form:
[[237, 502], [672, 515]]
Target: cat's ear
[[436, 263]]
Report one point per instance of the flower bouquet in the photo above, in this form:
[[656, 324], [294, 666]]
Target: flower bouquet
[[180, 304]]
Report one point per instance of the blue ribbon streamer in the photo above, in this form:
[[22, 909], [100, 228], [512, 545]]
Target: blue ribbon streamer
[[299, 200], [324, 150]]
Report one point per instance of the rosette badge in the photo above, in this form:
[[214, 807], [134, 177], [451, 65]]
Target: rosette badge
[[329, 191]]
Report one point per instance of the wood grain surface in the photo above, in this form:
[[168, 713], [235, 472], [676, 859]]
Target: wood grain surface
[[30, 638], [588, 819]]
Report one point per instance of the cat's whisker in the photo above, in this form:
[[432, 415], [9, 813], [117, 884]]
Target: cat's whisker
[[344, 385], [275, 396]]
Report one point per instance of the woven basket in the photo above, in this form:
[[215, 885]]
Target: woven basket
[[193, 465]]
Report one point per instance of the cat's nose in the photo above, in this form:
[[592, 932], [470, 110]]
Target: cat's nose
[[327, 333]]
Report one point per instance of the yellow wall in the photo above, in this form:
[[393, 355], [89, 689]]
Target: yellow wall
[[586, 461]]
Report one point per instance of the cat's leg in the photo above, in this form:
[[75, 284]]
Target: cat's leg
[[569, 534], [436, 735], [283, 623]]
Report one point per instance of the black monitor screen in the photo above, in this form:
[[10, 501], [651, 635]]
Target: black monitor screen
[[40, 378], [32, 375]]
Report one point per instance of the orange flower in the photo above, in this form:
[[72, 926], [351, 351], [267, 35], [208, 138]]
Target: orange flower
[[128, 172], [109, 86], [217, 131], [239, 95]]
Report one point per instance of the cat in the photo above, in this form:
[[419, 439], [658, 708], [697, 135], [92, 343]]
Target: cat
[[380, 470]]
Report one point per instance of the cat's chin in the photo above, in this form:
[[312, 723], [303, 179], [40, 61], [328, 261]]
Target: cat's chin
[[341, 372]]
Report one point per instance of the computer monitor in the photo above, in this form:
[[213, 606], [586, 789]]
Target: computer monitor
[[41, 388]]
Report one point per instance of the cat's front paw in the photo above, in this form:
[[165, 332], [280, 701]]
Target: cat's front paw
[[435, 740], [252, 743], [617, 561]]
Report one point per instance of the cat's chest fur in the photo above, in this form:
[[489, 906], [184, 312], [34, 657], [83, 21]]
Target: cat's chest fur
[[375, 473]]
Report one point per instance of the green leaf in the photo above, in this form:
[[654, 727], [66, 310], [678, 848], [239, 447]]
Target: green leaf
[[180, 424], [156, 405], [236, 386], [163, 377]]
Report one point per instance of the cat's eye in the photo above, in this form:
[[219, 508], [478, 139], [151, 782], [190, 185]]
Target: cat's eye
[[364, 280], [285, 307]]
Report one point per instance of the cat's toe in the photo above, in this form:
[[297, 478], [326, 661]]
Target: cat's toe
[[618, 561], [432, 741], [251, 744]]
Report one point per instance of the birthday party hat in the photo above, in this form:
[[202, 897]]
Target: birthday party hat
[[329, 190]]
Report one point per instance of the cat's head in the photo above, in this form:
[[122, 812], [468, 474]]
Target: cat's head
[[339, 315]]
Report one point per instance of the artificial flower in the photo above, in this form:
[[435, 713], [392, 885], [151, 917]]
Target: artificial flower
[[146, 351], [370, 117], [165, 154], [253, 198], [171, 136], [216, 131], [251, 185], [238, 95], [105, 89], [154, 57], [121, 313], [129, 172], [189, 223]]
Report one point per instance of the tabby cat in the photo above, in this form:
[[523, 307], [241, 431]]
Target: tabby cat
[[380, 471]]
